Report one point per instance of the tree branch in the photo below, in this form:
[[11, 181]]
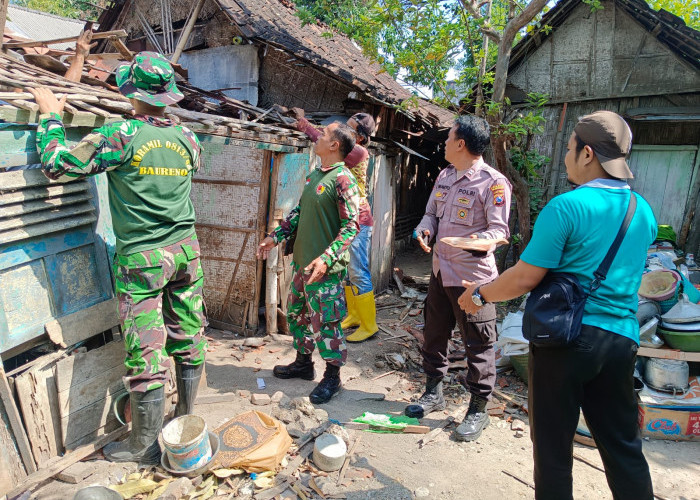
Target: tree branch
[[473, 8], [527, 15]]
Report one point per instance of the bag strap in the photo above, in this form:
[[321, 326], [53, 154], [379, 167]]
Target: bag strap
[[602, 271]]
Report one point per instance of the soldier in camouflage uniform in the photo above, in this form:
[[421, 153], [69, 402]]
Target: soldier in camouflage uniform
[[149, 162], [325, 223]]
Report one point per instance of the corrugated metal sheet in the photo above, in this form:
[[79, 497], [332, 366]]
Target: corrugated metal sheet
[[232, 67], [42, 26]]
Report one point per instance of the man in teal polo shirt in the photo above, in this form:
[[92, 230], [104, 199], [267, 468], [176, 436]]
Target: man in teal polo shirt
[[572, 234]]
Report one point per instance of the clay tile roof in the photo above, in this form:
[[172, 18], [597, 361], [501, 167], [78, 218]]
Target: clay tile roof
[[275, 22]]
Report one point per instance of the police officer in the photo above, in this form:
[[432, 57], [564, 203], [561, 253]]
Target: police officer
[[469, 199], [149, 162]]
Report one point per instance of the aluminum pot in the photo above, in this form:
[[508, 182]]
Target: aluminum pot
[[646, 310], [667, 375]]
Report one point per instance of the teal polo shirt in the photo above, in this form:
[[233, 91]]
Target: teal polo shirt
[[573, 233]]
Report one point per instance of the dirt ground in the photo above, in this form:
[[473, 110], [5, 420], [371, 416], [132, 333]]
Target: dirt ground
[[393, 466]]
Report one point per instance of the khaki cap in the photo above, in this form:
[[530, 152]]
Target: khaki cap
[[610, 138]]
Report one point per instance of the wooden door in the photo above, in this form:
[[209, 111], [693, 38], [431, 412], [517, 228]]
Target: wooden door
[[664, 176]]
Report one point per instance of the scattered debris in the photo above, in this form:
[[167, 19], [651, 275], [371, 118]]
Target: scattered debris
[[421, 492], [517, 425], [254, 342], [329, 452], [260, 399]]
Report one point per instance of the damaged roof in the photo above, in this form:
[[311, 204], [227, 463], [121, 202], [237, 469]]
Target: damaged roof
[[274, 22], [36, 25], [668, 29]]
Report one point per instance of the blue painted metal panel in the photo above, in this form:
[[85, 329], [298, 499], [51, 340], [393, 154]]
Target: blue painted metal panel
[[74, 279], [37, 248], [58, 273], [293, 169]]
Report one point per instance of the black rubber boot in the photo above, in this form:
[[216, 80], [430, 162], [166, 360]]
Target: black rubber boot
[[187, 379], [302, 367], [431, 400], [328, 387], [475, 421], [146, 422]]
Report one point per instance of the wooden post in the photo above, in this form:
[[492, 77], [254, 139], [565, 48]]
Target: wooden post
[[271, 297], [692, 202], [16, 426], [3, 17], [185, 35]]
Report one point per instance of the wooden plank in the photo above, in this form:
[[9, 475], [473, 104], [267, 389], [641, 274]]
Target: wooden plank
[[59, 464], [91, 391], [56, 213], [20, 179], [13, 416], [90, 422], [73, 328], [668, 353], [39, 193], [42, 43], [36, 390], [40, 205], [87, 384], [46, 228], [12, 470], [77, 369], [79, 119]]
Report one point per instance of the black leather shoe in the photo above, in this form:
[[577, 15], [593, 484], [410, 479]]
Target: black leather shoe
[[187, 379], [141, 446], [431, 400], [302, 367], [475, 421], [328, 387]]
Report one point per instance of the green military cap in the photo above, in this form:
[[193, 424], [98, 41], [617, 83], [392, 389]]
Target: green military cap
[[149, 78]]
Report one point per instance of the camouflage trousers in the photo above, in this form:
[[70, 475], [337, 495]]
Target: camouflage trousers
[[162, 311], [314, 313]]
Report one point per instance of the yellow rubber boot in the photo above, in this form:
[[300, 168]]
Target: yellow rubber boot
[[367, 311], [352, 319]]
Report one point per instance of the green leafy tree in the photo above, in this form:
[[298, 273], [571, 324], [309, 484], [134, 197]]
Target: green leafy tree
[[421, 40], [75, 9], [688, 10]]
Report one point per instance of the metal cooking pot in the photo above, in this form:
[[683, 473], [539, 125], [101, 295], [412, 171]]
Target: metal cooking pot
[[646, 310], [668, 375]]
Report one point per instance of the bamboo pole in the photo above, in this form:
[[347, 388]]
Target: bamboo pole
[[3, 17], [39, 43], [185, 35]]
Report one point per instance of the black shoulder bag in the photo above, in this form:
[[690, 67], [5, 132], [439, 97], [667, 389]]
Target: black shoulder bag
[[554, 309]]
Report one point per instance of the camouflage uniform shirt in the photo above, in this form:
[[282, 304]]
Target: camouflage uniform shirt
[[149, 202], [325, 219]]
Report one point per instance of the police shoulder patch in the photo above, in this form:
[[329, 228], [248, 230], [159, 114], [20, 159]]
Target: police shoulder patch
[[499, 194]]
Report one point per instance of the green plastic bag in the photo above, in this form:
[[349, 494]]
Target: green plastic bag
[[386, 423]]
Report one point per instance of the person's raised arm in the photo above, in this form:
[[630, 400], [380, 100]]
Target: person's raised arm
[[82, 51]]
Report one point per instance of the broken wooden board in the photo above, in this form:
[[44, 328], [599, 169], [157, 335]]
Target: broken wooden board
[[12, 472], [16, 428], [409, 429], [83, 324], [87, 384], [58, 464], [38, 400]]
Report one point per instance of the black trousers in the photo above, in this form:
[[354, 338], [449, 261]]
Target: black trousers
[[594, 373], [479, 333]]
